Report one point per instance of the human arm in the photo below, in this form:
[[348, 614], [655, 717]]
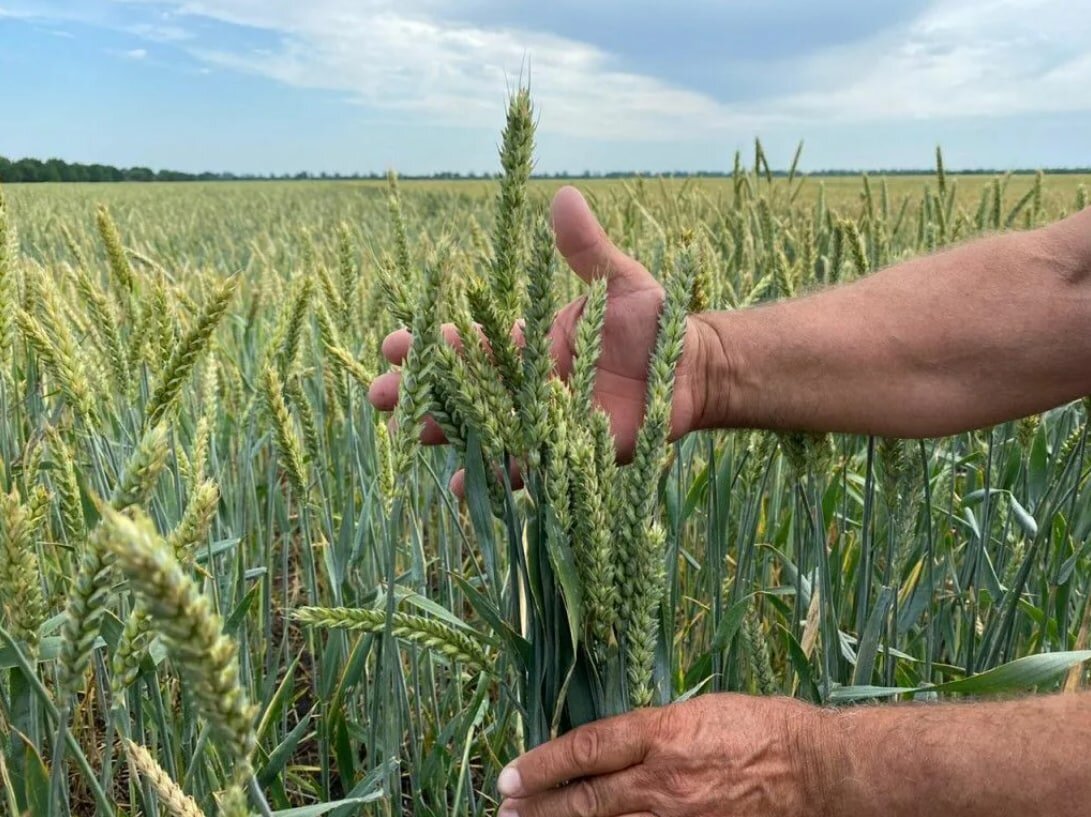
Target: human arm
[[1023, 758], [991, 330], [737, 756]]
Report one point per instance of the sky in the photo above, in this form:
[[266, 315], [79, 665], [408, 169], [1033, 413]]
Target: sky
[[258, 86]]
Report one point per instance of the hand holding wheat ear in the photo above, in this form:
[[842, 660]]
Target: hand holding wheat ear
[[634, 298]]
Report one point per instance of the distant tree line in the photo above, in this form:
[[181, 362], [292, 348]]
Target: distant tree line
[[57, 170]]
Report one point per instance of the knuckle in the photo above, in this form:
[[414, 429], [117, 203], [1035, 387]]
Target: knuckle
[[586, 747], [584, 799]]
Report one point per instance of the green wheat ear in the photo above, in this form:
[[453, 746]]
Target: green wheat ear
[[233, 802], [20, 584], [419, 391], [66, 487], [537, 355], [84, 608], [401, 267], [516, 159], [588, 347], [192, 530], [53, 343], [105, 319], [641, 581], [193, 631], [8, 296], [349, 275], [456, 644], [187, 350], [292, 331], [142, 470], [115, 251], [136, 637], [90, 592], [347, 364], [288, 445]]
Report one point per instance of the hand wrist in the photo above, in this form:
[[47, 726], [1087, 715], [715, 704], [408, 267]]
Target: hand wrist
[[714, 375]]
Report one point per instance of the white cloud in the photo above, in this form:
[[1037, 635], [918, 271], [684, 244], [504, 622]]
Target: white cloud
[[961, 57], [964, 58], [957, 58], [160, 32], [135, 54], [411, 61]]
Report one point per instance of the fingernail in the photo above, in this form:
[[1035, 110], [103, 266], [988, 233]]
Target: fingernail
[[510, 784]]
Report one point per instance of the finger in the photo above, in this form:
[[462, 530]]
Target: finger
[[517, 336], [383, 391], [595, 749], [604, 796], [457, 483], [587, 248], [432, 434], [396, 345]]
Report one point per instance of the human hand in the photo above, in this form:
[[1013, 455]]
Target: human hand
[[729, 755], [634, 298]]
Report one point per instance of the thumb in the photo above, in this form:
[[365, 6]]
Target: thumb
[[587, 248]]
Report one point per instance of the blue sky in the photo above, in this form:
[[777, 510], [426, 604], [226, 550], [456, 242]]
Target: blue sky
[[419, 85]]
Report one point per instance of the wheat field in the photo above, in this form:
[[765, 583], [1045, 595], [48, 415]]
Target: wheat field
[[227, 587]]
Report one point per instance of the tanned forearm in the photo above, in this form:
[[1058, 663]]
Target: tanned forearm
[[1021, 758], [988, 331]]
